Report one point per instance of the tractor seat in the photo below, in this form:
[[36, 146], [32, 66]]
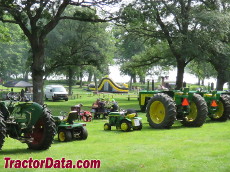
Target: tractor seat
[[73, 115], [132, 115]]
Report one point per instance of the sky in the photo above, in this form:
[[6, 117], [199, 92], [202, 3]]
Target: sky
[[188, 78]]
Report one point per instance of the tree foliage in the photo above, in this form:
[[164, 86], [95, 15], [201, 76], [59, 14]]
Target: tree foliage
[[37, 19]]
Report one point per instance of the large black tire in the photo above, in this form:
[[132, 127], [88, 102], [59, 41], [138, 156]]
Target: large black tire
[[198, 112], [43, 132], [161, 111], [2, 130], [64, 135], [223, 111], [84, 134]]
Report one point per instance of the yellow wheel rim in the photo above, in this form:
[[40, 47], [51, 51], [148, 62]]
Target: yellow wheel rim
[[106, 127], [157, 112], [220, 111], [62, 136], [193, 112], [124, 126]]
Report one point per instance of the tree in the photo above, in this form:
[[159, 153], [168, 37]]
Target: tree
[[172, 21], [81, 44], [14, 53], [37, 19], [215, 45]]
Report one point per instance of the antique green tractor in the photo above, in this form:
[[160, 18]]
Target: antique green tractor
[[68, 129], [164, 107], [27, 122], [218, 103], [125, 121]]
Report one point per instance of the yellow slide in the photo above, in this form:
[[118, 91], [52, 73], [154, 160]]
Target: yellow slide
[[107, 85]]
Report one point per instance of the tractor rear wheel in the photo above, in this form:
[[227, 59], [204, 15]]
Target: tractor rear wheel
[[84, 134], [223, 110], [43, 132], [198, 112], [125, 126], [161, 111], [64, 135], [2, 130], [138, 127]]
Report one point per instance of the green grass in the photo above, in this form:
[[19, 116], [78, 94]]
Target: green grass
[[176, 149]]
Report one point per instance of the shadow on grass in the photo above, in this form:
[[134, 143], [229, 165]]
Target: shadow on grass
[[18, 151], [212, 122]]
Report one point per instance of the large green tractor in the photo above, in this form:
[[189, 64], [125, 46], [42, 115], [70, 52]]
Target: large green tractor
[[27, 122], [218, 103], [164, 107]]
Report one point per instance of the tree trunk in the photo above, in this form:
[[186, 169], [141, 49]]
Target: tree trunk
[[220, 83], [180, 74], [198, 83], [131, 83], [26, 76], [202, 82], [70, 71], [90, 76], [95, 80], [37, 70], [81, 76], [134, 78], [142, 79]]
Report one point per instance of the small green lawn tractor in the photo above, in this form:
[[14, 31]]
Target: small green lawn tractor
[[68, 129], [218, 104], [27, 122], [164, 107], [125, 120]]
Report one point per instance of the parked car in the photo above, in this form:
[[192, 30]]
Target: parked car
[[56, 92]]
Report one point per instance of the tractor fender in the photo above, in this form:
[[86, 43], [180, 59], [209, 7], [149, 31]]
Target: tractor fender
[[32, 111]]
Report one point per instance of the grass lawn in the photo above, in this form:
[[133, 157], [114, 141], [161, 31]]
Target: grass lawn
[[176, 149]]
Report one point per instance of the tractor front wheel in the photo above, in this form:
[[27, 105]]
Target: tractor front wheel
[[161, 111], [2, 130], [223, 109], [43, 132], [107, 126], [198, 112]]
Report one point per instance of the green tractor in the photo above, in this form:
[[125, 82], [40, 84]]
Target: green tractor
[[125, 121], [68, 129], [218, 104], [27, 122], [164, 107]]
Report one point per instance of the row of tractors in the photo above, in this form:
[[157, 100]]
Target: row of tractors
[[189, 107], [34, 125]]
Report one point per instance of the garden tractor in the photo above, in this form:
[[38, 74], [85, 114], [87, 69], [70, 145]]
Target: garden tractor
[[27, 122], [124, 120], [68, 129], [164, 107]]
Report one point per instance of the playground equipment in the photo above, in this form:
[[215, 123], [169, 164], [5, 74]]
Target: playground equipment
[[27, 122], [108, 85], [68, 129], [125, 121]]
